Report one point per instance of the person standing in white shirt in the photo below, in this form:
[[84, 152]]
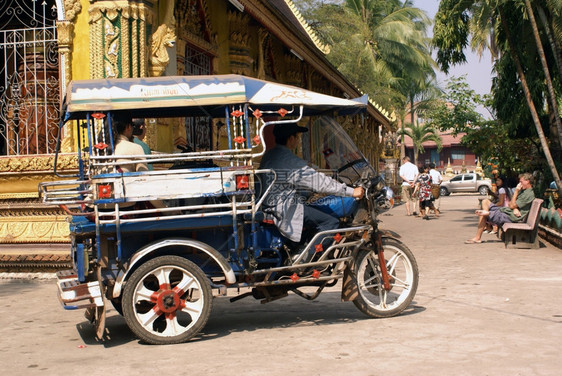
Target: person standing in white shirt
[[408, 173], [436, 179]]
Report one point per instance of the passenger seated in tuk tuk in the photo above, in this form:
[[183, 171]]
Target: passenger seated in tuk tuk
[[139, 133], [285, 201], [124, 127], [124, 145]]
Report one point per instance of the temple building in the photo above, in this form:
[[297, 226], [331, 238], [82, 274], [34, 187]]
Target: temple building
[[47, 43]]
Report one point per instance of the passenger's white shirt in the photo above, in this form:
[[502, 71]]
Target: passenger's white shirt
[[408, 173], [126, 147], [435, 176]]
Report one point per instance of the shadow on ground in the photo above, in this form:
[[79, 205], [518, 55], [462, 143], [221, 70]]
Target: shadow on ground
[[247, 316]]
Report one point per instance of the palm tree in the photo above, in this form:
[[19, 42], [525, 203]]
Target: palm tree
[[553, 28], [377, 44], [549, 85], [419, 97], [420, 133], [530, 102], [451, 34]]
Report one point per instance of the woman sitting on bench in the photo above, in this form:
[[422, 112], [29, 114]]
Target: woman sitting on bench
[[519, 206]]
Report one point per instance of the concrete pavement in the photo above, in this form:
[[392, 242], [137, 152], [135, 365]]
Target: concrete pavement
[[480, 309]]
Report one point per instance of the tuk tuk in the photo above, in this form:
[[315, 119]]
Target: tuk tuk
[[160, 245]]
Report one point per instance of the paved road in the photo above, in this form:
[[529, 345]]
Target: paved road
[[480, 310]]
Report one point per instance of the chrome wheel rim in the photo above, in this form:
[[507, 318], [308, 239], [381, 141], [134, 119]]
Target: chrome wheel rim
[[401, 279]]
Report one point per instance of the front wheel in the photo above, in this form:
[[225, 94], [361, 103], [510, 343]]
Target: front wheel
[[373, 299], [443, 191], [483, 190], [167, 300]]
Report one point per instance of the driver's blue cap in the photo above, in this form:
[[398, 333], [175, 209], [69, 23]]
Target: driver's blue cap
[[288, 130]]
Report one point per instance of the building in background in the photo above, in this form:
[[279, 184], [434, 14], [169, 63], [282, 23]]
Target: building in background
[[452, 155], [46, 44]]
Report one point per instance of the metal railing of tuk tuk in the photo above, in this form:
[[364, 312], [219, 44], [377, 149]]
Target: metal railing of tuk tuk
[[98, 171]]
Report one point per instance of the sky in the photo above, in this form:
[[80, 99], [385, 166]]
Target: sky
[[478, 71]]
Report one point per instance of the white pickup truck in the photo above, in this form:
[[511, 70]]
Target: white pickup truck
[[469, 182]]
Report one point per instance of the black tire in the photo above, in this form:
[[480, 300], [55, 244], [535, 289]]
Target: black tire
[[173, 298], [483, 190], [443, 191], [373, 300], [117, 305]]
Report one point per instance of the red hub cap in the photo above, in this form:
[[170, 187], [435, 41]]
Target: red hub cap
[[167, 300]]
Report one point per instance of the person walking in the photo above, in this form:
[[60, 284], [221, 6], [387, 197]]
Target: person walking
[[436, 179], [408, 172], [423, 186]]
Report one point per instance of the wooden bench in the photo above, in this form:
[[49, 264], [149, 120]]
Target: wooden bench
[[524, 234]]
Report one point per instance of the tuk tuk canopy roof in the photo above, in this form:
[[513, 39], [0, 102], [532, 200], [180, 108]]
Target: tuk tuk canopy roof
[[171, 96]]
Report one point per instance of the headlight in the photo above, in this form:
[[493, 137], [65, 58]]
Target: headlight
[[377, 184]]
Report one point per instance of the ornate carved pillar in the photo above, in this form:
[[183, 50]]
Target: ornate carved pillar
[[65, 30], [118, 38], [239, 50], [294, 71]]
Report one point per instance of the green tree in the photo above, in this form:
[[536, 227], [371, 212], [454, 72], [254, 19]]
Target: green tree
[[420, 133], [509, 20], [419, 97], [546, 70], [488, 139], [456, 111], [379, 45]]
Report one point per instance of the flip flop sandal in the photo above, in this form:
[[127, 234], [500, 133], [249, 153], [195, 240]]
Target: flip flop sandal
[[470, 241]]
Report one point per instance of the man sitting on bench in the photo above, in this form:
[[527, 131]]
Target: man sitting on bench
[[519, 206]]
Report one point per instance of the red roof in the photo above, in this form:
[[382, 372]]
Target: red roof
[[447, 140]]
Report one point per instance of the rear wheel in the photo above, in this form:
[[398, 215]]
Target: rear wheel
[[373, 299], [167, 300], [483, 190]]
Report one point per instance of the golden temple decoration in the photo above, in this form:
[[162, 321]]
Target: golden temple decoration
[[65, 30], [34, 230], [151, 136], [180, 55], [194, 26], [27, 226], [37, 163], [118, 38], [125, 52], [135, 52], [71, 9], [294, 71], [322, 47], [163, 38], [65, 35], [271, 65], [262, 36], [320, 85], [239, 51], [478, 168]]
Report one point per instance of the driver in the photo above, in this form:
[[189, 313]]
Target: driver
[[294, 175]]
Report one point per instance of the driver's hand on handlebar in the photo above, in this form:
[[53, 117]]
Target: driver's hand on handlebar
[[358, 192]]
